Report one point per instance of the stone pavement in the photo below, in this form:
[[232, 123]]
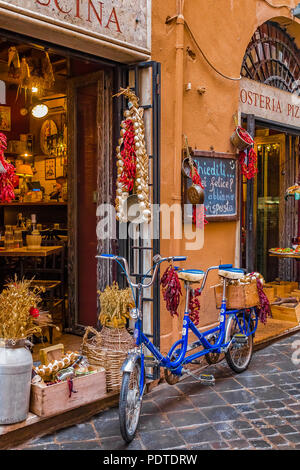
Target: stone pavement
[[259, 409]]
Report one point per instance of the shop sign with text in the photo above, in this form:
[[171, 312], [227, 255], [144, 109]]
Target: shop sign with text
[[269, 103], [123, 21]]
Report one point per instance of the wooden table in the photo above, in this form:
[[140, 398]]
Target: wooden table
[[288, 256], [25, 252]]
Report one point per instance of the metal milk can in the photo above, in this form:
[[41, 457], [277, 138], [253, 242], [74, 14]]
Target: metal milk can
[[15, 380]]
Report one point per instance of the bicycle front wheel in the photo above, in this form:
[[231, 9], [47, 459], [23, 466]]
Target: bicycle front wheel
[[238, 357], [130, 402]]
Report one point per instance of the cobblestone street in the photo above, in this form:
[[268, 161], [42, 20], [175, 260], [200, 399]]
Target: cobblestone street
[[259, 409]]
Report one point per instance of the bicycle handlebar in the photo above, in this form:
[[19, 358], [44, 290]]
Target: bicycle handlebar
[[157, 261]]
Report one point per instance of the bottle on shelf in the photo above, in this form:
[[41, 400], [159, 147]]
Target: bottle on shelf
[[20, 221], [33, 222], [33, 238]]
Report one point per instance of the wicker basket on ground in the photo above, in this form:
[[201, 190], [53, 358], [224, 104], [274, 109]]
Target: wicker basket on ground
[[108, 349]]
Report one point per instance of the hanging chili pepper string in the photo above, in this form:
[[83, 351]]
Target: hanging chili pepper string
[[128, 157], [171, 290], [8, 177], [264, 310], [194, 306], [197, 178], [198, 216], [250, 170]]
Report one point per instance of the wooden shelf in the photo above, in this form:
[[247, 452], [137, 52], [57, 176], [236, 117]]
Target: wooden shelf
[[33, 204]]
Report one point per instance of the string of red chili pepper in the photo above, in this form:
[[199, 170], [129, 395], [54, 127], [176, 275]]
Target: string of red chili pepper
[[8, 176], [197, 215], [128, 157], [171, 290], [264, 310], [194, 306], [250, 170]]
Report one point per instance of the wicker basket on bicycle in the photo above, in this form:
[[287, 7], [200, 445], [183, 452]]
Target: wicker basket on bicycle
[[108, 349], [238, 295]]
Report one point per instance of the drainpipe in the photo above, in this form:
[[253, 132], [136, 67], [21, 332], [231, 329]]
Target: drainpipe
[[176, 245], [176, 196]]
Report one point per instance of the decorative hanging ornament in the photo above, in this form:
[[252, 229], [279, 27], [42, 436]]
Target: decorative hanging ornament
[[132, 164]]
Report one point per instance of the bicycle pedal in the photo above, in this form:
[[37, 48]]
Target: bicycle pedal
[[240, 338], [207, 379]]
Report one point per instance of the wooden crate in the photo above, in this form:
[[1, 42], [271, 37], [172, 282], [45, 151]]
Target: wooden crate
[[270, 293], [283, 312], [241, 296], [284, 288], [295, 293], [54, 399]]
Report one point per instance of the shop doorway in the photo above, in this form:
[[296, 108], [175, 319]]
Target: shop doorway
[[90, 141], [268, 219], [268, 207]]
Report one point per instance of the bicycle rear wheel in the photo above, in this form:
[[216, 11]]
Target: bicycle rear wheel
[[238, 357], [130, 402]]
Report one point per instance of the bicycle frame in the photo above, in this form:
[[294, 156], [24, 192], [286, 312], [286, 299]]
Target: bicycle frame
[[176, 357], [181, 346]]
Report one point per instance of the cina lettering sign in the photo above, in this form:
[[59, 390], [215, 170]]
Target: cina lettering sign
[[121, 21], [269, 103]]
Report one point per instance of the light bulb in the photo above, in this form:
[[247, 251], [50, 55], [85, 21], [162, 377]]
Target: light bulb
[[39, 111]]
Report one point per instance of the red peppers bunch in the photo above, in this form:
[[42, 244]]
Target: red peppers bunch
[[245, 135], [197, 215], [264, 310], [197, 178], [8, 176], [128, 157], [171, 290], [250, 170], [194, 306]]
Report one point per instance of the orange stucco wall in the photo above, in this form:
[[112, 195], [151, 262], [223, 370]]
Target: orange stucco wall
[[223, 29]]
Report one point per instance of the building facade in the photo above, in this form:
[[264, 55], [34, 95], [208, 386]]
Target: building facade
[[185, 60]]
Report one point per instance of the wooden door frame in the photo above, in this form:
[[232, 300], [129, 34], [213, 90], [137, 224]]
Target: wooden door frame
[[104, 78]]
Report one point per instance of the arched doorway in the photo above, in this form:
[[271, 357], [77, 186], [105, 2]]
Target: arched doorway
[[271, 71]]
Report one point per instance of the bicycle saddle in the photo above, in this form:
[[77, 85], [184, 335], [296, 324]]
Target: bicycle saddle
[[232, 273], [191, 275]]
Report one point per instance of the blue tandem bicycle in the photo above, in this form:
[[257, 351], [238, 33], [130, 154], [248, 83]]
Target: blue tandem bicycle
[[233, 336]]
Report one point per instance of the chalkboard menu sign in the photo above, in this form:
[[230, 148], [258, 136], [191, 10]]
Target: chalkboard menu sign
[[219, 175]]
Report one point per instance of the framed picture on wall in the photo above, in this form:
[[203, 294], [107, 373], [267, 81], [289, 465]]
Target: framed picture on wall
[[50, 170], [5, 118]]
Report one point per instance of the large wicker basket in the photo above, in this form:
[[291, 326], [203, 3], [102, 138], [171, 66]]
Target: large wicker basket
[[241, 296], [108, 349]]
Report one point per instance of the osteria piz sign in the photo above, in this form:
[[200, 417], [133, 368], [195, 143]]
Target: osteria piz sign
[[121, 21], [269, 103]]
